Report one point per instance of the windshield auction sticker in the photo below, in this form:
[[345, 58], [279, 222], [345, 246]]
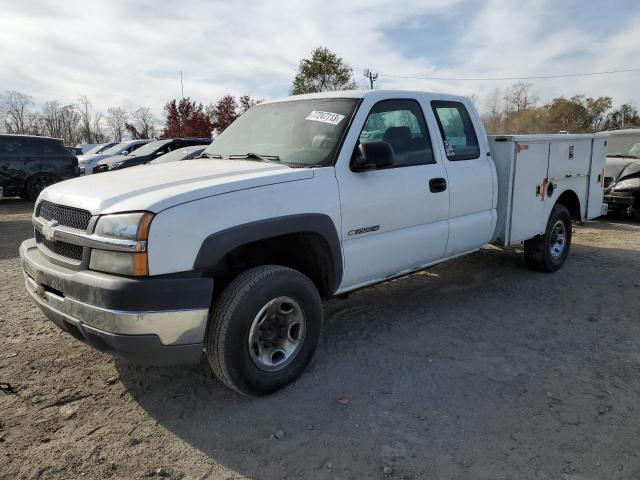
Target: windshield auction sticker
[[325, 117]]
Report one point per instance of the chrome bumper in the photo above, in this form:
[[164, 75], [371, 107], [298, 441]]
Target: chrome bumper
[[153, 320], [171, 327]]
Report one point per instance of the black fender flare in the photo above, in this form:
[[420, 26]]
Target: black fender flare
[[217, 245]]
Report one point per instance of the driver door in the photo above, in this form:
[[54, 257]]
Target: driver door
[[394, 219]]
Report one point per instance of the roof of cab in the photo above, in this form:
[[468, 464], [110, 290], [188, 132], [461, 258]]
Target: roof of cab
[[364, 94]]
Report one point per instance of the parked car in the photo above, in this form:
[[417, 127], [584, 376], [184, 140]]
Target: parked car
[[29, 164], [88, 162], [86, 146], [77, 151], [622, 172], [97, 148], [230, 258], [188, 153], [147, 153]]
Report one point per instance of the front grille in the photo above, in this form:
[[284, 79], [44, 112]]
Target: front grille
[[63, 249], [67, 216], [100, 169]]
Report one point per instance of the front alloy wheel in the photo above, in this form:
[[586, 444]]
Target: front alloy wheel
[[264, 329], [277, 334]]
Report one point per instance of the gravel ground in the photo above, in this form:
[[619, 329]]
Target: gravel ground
[[476, 369]]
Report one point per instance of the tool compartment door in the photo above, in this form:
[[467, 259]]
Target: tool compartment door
[[569, 159], [528, 213]]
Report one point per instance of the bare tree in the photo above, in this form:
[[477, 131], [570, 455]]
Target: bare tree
[[91, 124], [14, 107], [474, 98], [60, 121], [493, 114], [117, 122], [519, 96], [143, 124], [97, 124]]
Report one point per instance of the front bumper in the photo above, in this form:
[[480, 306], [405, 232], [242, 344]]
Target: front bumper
[[154, 320], [620, 198]]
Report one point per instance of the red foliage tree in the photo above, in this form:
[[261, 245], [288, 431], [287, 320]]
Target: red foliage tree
[[186, 119], [224, 112]]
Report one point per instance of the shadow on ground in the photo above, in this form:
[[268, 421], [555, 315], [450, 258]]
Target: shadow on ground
[[473, 369], [15, 225]]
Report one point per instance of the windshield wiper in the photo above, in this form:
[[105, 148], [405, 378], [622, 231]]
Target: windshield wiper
[[255, 156], [210, 155], [620, 155]]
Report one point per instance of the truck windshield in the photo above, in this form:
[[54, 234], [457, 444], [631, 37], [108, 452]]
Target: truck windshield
[[297, 132], [627, 145]]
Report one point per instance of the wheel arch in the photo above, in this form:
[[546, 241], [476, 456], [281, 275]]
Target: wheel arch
[[570, 199], [306, 242]]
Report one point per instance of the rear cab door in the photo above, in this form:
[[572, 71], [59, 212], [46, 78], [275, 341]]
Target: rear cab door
[[472, 177], [394, 219]]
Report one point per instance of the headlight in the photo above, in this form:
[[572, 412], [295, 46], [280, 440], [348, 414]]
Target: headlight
[[628, 184], [122, 225], [132, 227], [111, 166]]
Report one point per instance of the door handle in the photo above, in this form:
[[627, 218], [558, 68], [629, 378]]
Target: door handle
[[437, 185]]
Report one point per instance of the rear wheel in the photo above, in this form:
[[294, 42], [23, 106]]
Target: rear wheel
[[264, 329], [548, 252], [39, 182]]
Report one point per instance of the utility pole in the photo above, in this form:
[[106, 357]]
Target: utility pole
[[181, 85], [371, 76]]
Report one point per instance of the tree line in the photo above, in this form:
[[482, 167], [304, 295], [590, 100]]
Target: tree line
[[79, 122], [513, 110], [76, 122], [517, 110]]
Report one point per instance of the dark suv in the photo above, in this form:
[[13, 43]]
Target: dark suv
[[147, 153], [29, 164]]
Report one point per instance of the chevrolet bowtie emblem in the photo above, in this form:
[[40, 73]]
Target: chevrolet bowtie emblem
[[48, 229]]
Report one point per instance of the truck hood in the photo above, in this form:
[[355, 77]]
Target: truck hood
[[158, 187]]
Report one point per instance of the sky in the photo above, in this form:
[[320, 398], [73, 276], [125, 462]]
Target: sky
[[129, 52]]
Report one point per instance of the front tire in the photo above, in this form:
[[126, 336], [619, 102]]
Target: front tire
[[264, 329], [548, 252]]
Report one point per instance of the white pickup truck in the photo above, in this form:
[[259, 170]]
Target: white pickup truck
[[301, 199]]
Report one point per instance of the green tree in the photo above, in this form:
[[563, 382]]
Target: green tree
[[597, 109], [324, 71], [625, 116]]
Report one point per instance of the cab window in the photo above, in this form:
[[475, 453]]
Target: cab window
[[401, 124], [458, 135]]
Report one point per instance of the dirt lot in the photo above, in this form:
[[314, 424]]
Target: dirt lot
[[476, 369]]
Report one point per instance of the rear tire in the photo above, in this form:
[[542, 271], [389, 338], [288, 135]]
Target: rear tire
[[264, 329], [548, 252], [39, 182]]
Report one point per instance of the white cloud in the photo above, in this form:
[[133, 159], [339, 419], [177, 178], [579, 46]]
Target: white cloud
[[129, 53]]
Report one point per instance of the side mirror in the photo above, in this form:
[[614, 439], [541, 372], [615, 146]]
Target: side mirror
[[125, 153], [372, 155]]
